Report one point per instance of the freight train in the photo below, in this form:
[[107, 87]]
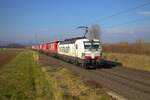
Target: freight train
[[80, 50]]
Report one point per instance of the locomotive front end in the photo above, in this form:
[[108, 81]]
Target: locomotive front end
[[92, 51]]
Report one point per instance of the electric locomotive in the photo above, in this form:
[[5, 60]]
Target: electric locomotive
[[81, 51]]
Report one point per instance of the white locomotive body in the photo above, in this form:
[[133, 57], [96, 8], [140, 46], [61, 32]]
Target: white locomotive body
[[80, 51]]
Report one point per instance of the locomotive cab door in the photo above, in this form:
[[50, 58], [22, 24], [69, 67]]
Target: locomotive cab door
[[76, 50]]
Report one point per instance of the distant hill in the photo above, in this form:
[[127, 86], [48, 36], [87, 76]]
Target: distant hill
[[12, 45]]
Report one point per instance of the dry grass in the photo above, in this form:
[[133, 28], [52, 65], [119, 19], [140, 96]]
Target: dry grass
[[16, 78], [68, 86], [6, 56], [141, 62], [133, 55], [22, 79], [133, 48], [25, 79]]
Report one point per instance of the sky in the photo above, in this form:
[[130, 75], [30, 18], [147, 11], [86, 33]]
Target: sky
[[35, 21]]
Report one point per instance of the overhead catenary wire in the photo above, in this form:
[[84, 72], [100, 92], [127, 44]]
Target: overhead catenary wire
[[125, 11], [129, 22]]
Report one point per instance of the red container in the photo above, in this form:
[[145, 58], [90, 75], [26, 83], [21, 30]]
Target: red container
[[46, 47], [42, 47], [38, 47], [33, 47], [52, 47]]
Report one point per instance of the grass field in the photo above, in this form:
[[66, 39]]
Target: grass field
[[138, 47], [16, 79], [4, 59], [140, 62], [24, 78]]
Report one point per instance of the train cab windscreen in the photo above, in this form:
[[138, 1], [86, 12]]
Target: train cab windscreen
[[91, 45]]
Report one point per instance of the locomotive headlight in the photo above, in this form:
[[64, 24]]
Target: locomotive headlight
[[93, 56]]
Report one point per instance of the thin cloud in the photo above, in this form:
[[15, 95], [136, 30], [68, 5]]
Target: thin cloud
[[120, 31], [145, 13], [129, 30]]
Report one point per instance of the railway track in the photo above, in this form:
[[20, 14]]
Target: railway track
[[124, 75], [130, 84], [134, 84]]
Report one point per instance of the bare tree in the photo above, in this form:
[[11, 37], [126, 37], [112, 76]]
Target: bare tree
[[94, 32]]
